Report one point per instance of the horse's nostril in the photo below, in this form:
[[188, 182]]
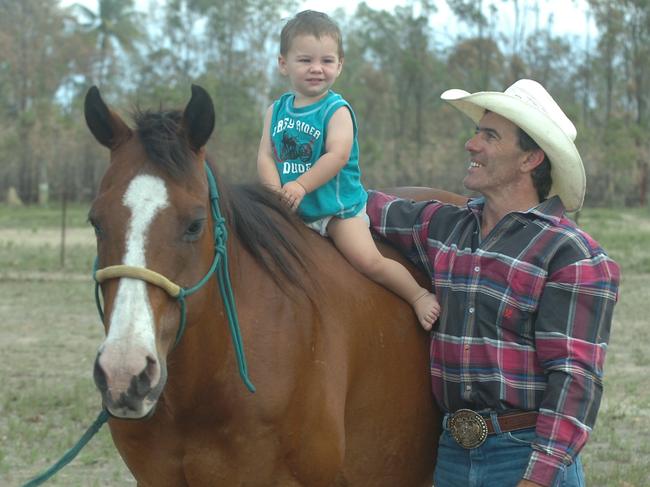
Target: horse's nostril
[[148, 377], [99, 375], [152, 368]]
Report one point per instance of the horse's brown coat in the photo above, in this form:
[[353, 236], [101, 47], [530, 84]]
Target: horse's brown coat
[[340, 364]]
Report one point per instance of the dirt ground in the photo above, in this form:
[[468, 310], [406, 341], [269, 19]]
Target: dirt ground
[[46, 236]]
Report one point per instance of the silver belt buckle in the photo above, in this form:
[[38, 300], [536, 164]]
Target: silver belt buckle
[[468, 428]]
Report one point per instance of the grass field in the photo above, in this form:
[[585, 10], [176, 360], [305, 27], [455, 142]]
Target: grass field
[[49, 332]]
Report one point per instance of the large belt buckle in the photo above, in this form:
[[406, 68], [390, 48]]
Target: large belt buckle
[[468, 428]]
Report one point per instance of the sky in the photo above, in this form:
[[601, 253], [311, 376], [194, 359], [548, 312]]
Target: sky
[[569, 15]]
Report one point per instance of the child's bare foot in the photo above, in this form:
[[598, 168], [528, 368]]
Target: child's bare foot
[[427, 309]]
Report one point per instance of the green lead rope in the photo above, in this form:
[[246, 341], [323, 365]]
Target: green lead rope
[[71, 453], [223, 277], [227, 295]]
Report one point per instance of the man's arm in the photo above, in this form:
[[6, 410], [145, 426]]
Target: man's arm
[[402, 222], [571, 333], [422, 193]]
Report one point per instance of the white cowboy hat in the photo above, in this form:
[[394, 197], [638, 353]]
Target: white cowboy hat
[[528, 105]]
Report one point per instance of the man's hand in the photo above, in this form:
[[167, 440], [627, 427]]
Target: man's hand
[[528, 483], [292, 194]]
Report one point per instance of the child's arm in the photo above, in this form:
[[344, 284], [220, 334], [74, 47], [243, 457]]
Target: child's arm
[[340, 136], [267, 172]]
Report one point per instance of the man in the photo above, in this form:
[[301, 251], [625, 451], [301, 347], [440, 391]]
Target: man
[[527, 297]]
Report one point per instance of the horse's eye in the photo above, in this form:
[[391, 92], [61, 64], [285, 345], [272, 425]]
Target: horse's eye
[[96, 227], [194, 230]]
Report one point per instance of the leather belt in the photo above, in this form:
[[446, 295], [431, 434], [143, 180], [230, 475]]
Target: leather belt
[[470, 429]]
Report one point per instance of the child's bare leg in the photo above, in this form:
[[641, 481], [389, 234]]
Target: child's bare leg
[[352, 238]]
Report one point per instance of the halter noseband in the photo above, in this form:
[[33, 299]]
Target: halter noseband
[[180, 293]]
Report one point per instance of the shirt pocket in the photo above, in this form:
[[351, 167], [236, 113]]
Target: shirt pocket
[[516, 290]]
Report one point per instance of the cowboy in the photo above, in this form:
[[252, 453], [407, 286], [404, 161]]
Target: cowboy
[[527, 297]]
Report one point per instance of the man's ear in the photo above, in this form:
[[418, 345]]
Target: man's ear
[[533, 159]]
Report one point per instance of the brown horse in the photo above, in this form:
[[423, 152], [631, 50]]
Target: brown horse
[[339, 364]]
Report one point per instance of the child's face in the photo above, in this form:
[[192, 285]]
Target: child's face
[[312, 65]]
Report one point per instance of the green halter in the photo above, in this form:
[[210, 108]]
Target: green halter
[[180, 293]]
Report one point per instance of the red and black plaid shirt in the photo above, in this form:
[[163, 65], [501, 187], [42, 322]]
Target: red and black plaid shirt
[[526, 314]]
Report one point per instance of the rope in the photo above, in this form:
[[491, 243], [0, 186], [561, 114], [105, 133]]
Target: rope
[[71, 453], [140, 273], [223, 277]]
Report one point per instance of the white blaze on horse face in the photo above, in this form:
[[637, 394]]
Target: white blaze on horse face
[[132, 321]]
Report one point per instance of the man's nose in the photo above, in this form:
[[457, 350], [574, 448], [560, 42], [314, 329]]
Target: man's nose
[[472, 144]]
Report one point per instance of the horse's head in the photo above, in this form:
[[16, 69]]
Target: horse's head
[[151, 212]]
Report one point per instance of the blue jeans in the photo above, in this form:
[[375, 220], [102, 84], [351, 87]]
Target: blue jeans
[[499, 462]]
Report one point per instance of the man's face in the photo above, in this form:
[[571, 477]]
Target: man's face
[[495, 165]]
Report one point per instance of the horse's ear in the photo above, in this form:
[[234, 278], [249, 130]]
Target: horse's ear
[[198, 118], [107, 127]]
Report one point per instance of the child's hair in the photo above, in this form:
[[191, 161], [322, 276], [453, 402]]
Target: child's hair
[[310, 22]]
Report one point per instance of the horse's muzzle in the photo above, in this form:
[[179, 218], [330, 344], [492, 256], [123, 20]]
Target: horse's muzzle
[[130, 384]]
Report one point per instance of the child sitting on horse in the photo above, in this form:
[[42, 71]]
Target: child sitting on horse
[[310, 155]]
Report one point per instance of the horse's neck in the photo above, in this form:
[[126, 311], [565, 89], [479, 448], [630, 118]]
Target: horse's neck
[[205, 358]]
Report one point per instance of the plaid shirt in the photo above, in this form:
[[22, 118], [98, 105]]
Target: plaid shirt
[[526, 315]]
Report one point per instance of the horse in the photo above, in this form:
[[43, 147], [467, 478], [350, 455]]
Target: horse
[[338, 364]]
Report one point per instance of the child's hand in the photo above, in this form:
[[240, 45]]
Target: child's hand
[[292, 194]]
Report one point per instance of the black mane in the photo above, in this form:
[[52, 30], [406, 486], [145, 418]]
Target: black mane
[[160, 135], [263, 225]]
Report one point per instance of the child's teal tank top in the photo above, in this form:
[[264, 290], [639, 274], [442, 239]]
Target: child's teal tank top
[[298, 138]]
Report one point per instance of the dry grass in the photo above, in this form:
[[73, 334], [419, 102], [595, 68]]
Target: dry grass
[[49, 332]]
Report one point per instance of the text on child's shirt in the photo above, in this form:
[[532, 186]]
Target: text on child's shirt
[[300, 126]]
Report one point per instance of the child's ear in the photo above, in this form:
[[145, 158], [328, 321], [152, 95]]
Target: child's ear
[[282, 65]]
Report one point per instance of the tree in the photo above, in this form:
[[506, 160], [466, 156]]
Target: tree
[[115, 27], [471, 12], [240, 47], [625, 47], [34, 43]]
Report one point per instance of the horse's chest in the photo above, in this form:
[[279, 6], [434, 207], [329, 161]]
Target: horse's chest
[[219, 456]]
